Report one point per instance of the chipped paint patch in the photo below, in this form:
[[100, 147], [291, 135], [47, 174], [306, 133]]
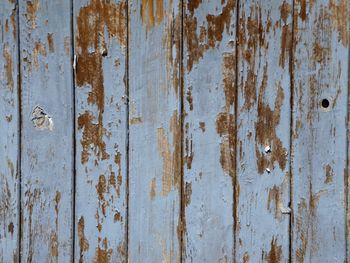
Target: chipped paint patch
[[31, 14], [50, 41], [208, 37], [42, 120], [275, 253]]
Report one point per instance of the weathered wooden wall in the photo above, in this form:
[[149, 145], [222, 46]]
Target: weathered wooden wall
[[174, 131]]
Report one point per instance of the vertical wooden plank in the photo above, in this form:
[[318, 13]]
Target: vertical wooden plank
[[47, 131], [263, 130], [9, 135], [100, 29], [155, 131], [321, 61], [209, 130]]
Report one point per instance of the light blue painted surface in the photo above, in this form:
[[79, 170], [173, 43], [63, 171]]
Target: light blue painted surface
[[46, 155], [209, 211], [263, 136], [319, 154], [154, 208], [153, 183]]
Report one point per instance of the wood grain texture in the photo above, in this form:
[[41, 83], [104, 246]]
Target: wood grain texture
[[320, 72], [47, 131], [9, 133], [209, 130], [263, 130], [101, 130], [155, 131]]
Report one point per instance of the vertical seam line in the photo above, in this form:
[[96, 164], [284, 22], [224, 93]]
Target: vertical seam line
[[182, 174], [291, 76], [235, 178], [19, 127], [127, 134], [74, 132]]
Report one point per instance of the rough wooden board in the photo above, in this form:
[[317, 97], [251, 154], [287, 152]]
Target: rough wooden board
[[319, 140], [209, 130], [47, 148], [155, 131], [101, 120], [263, 131], [9, 133]]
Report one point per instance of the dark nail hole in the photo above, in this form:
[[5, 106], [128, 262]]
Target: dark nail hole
[[325, 103]]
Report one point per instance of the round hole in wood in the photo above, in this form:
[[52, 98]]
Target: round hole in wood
[[325, 103]]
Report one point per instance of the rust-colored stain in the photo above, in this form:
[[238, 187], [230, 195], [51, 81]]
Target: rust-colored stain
[[265, 127], [54, 242], [286, 37], [57, 201], [305, 222], [329, 174], [117, 217], [92, 22], [189, 98], [54, 246], [202, 126], [340, 19], [275, 196], [83, 242], [10, 228], [245, 257], [103, 253], [101, 189], [32, 198], [200, 38], [193, 5], [153, 186], [188, 193], [136, 120], [32, 8], [225, 121], [275, 253], [152, 12], [171, 155], [92, 135], [14, 23], [321, 54], [39, 49], [8, 66], [50, 42], [172, 43], [226, 128], [251, 38]]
